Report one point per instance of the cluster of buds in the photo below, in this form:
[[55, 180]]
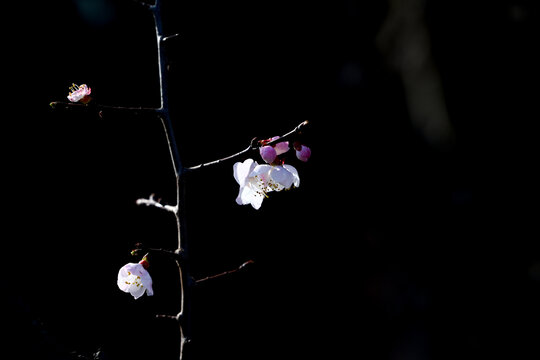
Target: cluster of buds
[[271, 153]]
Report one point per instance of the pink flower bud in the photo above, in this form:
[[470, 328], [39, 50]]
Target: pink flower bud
[[303, 153], [281, 147], [268, 154], [144, 262]]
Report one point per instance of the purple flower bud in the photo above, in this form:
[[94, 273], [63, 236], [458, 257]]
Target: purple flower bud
[[303, 153], [268, 154]]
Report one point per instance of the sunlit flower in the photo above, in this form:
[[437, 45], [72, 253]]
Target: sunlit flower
[[134, 279], [256, 181], [79, 93]]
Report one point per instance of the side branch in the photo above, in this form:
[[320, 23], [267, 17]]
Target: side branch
[[152, 202], [254, 145], [61, 105], [250, 147], [225, 272]]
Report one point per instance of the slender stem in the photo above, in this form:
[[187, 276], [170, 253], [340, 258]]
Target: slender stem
[[211, 277]]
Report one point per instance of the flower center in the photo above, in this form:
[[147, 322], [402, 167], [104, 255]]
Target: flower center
[[73, 88], [133, 280]]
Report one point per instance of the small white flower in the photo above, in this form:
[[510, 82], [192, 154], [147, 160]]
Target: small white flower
[[134, 279], [256, 181], [79, 93]]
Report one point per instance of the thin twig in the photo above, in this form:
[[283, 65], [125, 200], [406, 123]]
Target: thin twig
[[170, 37], [250, 147], [225, 272], [62, 105]]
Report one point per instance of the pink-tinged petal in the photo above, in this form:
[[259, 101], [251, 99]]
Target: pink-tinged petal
[[134, 279], [268, 154], [281, 147], [304, 153]]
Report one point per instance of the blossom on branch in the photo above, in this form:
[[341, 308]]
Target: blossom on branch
[[79, 93], [256, 181], [134, 279]]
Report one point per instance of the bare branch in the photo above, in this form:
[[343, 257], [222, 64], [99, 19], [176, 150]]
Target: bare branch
[[254, 145], [100, 109], [170, 317], [250, 147], [152, 202], [225, 272]]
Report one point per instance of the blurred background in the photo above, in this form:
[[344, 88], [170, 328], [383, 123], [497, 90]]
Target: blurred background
[[413, 234]]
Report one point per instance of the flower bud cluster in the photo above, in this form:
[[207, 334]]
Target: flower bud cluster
[[271, 153]]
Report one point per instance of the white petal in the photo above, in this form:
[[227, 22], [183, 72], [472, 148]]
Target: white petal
[[242, 170], [261, 170], [137, 291], [282, 176], [253, 197], [294, 172], [257, 203]]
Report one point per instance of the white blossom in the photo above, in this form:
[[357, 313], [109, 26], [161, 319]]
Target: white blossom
[[133, 278], [79, 93], [256, 181]]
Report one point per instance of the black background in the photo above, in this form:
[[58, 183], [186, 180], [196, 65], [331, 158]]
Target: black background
[[391, 248]]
